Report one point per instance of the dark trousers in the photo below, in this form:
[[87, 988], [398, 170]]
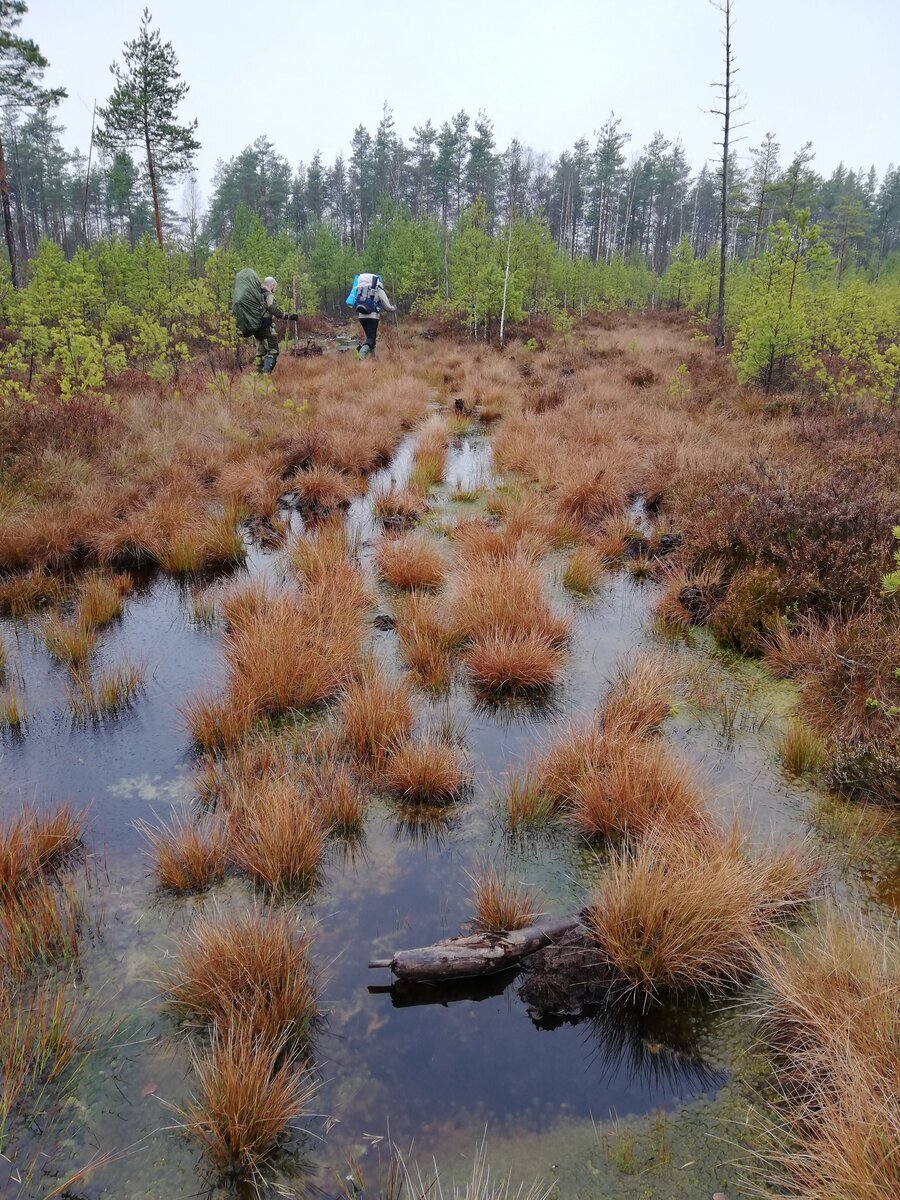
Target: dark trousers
[[370, 329]]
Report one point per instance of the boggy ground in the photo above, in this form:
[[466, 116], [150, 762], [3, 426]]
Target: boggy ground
[[441, 679]]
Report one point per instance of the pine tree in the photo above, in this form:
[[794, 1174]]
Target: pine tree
[[143, 108], [21, 69]]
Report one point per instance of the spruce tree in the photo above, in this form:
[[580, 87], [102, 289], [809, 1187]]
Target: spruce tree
[[21, 69], [143, 108]]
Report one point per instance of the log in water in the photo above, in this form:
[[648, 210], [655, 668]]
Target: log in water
[[476, 953]]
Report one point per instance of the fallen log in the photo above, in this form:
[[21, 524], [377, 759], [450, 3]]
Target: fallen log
[[475, 953]]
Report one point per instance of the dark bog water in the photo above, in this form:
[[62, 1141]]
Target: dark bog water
[[436, 1066]]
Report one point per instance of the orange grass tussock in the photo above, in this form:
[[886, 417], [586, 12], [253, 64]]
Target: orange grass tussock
[[251, 972], [678, 915], [248, 1094], [499, 904], [35, 843], [427, 770], [427, 639], [187, 856], [411, 561], [375, 714]]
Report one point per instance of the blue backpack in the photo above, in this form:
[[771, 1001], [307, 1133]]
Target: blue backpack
[[363, 297]]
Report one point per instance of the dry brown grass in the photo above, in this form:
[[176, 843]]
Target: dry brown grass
[[430, 454], [279, 839], [501, 662], [639, 786], [21, 594], [675, 915], [640, 697], [499, 904], [376, 715], [187, 856], [427, 639], [800, 748], [411, 561], [586, 496], [339, 798], [248, 1095], [426, 770], [833, 1027], [250, 973], [40, 926], [327, 548], [35, 843]]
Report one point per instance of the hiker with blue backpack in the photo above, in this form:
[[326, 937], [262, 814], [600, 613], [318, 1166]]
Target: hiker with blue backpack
[[254, 309], [367, 298]]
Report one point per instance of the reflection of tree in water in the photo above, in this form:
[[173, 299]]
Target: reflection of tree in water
[[654, 1041]]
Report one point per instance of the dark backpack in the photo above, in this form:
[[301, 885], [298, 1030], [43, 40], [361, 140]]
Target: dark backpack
[[367, 301], [248, 303]]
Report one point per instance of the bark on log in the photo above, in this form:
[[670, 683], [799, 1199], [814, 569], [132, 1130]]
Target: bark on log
[[477, 953]]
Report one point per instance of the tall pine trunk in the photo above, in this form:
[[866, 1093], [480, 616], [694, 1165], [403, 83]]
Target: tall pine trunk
[[7, 219], [151, 171]]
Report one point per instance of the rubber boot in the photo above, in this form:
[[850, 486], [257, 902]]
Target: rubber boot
[[364, 351], [268, 365]]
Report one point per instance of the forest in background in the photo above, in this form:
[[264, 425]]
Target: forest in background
[[813, 260]]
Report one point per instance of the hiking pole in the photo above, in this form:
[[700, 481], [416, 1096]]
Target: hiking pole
[[397, 329]]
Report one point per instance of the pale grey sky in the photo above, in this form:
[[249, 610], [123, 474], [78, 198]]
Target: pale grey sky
[[306, 74]]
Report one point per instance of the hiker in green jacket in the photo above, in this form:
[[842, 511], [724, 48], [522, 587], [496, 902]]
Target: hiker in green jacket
[[265, 337]]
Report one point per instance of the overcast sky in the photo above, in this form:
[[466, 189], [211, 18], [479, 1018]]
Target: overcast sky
[[305, 74]]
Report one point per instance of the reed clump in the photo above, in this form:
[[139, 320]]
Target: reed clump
[[499, 904], [679, 914], [526, 803], [248, 1095], [188, 856], [250, 973], [375, 714], [429, 770], [399, 507], [411, 561], [12, 711], [70, 641]]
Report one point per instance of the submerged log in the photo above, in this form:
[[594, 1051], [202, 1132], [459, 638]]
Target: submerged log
[[476, 953]]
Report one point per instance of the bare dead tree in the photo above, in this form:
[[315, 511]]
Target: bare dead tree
[[728, 94]]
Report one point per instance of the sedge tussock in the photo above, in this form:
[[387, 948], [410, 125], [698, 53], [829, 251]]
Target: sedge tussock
[[499, 904], [248, 1094], [638, 787], [376, 715], [41, 926], [321, 490], [339, 798], [506, 596], [678, 915], [526, 803], [427, 771], [69, 641], [279, 839], [251, 972], [501, 662], [187, 856], [21, 594], [800, 748], [35, 843], [12, 711], [113, 690], [316, 554], [832, 1029], [583, 569], [399, 508], [215, 722], [411, 561], [100, 599], [427, 639], [640, 697], [586, 496]]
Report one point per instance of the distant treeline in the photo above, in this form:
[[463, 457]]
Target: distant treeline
[[598, 199]]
